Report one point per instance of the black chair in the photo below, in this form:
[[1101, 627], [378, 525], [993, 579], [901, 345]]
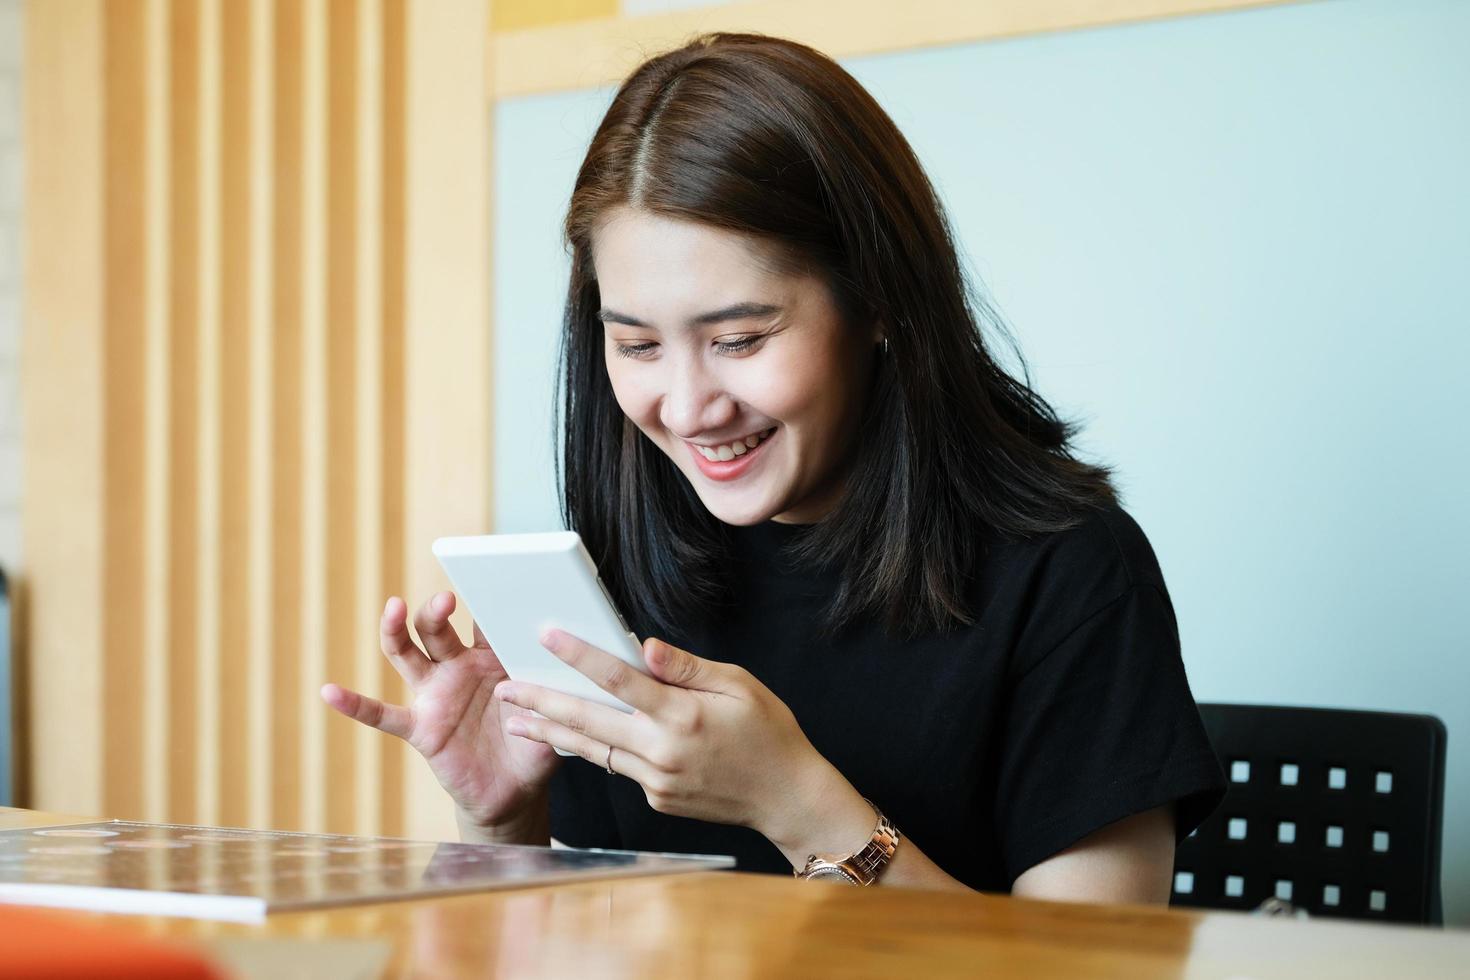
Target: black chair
[[1336, 812]]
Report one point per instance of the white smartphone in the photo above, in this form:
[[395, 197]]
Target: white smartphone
[[520, 585]]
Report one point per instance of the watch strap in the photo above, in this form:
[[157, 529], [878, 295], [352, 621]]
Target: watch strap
[[874, 857]]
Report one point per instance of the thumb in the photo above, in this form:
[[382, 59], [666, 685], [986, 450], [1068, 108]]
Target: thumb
[[678, 667]]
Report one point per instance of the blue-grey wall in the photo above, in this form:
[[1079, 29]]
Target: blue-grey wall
[[1237, 247]]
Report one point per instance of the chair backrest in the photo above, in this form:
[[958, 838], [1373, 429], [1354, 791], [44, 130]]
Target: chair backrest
[[1337, 812]]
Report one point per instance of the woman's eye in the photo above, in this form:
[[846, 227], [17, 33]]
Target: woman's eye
[[737, 346], [633, 350]]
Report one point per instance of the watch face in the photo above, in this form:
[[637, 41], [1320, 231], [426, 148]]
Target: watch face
[[832, 874]]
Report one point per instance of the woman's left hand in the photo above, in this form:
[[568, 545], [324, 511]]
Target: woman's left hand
[[707, 740]]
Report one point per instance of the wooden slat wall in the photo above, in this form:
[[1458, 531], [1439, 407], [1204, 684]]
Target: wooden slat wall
[[237, 208]]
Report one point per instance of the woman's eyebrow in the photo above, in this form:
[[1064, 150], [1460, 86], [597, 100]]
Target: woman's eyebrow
[[609, 316], [736, 311]]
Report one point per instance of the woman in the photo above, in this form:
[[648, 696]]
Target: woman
[[868, 564]]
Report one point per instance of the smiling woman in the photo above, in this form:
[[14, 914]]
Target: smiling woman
[[897, 632], [745, 377]]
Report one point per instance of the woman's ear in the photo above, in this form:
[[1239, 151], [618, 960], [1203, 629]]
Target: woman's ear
[[880, 337]]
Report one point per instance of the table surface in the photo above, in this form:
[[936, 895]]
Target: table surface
[[730, 924]]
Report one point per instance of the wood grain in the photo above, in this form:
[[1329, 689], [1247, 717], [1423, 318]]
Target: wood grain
[[729, 924]]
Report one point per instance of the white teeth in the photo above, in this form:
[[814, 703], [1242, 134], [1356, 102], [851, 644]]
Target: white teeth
[[732, 449]]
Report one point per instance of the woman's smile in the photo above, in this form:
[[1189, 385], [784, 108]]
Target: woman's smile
[[731, 460]]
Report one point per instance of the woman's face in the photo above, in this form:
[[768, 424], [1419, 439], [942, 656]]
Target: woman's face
[[746, 377]]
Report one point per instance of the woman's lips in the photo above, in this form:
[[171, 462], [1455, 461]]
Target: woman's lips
[[723, 469]]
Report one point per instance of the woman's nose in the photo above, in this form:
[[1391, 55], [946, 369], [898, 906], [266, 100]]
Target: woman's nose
[[695, 403]]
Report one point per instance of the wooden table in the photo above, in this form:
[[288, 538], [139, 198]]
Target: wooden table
[[729, 924]]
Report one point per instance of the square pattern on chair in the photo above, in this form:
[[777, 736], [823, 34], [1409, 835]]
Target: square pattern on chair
[[1309, 818]]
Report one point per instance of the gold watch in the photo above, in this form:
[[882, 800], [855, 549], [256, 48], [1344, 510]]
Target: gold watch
[[862, 868]]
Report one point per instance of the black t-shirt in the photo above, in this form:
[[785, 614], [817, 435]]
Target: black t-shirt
[[1062, 709]]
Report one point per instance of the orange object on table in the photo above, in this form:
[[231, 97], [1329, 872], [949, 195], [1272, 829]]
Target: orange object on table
[[53, 946]]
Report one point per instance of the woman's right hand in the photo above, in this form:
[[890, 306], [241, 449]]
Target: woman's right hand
[[498, 781]]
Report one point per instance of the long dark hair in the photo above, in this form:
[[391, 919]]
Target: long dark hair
[[773, 139]]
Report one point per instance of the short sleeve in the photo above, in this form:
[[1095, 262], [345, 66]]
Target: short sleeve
[[581, 810], [1100, 727]]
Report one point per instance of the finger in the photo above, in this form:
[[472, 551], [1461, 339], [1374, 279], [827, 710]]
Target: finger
[[440, 640], [398, 646], [394, 719], [681, 668], [627, 684], [597, 721], [483, 644], [625, 762]]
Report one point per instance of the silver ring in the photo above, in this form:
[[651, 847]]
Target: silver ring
[[608, 765]]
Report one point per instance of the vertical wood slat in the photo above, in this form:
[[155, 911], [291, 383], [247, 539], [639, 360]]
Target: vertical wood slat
[[314, 468], [62, 367], [232, 382], [218, 300], [284, 746], [446, 300], [339, 380], [206, 586], [182, 761], [261, 465], [370, 583], [392, 457], [123, 345], [157, 530]]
